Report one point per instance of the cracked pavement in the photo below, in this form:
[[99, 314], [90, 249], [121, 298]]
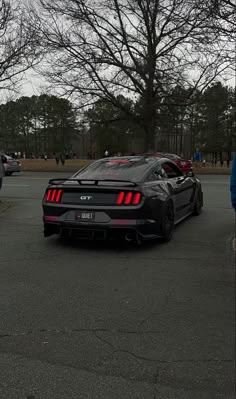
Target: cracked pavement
[[104, 321]]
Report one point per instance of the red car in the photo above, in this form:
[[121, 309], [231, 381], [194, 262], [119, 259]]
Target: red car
[[184, 165]]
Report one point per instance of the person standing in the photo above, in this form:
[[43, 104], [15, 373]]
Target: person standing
[[233, 183], [62, 158]]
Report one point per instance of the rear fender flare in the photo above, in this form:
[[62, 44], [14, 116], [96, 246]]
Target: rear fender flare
[[170, 199]]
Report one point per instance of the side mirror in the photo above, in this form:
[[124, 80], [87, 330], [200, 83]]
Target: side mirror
[[189, 174], [4, 160]]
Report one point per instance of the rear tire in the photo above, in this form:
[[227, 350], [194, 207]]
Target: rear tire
[[198, 204], [168, 221]]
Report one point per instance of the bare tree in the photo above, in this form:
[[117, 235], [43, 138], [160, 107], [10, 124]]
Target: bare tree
[[223, 23], [140, 48], [18, 43]]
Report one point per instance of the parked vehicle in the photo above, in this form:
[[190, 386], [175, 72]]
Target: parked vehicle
[[135, 198], [184, 164], [10, 165], [2, 172]]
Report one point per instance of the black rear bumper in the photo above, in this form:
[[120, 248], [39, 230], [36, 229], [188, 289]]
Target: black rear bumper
[[144, 230]]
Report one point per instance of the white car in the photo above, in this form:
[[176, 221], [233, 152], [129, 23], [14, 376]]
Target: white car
[[10, 165]]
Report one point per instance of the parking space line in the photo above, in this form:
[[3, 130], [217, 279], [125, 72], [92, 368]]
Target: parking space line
[[16, 185]]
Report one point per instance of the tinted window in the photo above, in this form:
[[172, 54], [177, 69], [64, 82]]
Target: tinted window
[[119, 168], [158, 174], [171, 170]]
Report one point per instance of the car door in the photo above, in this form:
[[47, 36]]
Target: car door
[[182, 187]]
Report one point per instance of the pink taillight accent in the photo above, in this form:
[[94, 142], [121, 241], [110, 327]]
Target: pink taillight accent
[[59, 195], [54, 195], [136, 199], [128, 198], [120, 198], [51, 218], [48, 195], [121, 222]]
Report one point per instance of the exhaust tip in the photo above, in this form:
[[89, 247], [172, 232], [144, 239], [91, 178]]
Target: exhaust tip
[[129, 237]]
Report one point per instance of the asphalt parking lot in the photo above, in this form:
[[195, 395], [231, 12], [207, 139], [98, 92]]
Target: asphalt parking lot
[[112, 322]]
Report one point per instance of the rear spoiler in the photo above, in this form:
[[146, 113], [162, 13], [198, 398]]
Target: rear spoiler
[[90, 182]]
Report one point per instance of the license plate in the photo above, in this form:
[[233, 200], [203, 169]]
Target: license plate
[[84, 216]]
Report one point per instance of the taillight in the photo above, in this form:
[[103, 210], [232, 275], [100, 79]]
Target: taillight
[[54, 195], [128, 198], [136, 199], [120, 198]]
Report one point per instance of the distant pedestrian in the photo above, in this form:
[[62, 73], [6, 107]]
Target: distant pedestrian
[[45, 157], [222, 163], [233, 184], [204, 162], [57, 159], [62, 158], [228, 163], [106, 153]]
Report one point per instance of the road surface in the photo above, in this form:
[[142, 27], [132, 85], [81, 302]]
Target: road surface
[[111, 322]]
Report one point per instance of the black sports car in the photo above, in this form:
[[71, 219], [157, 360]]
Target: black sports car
[[135, 198]]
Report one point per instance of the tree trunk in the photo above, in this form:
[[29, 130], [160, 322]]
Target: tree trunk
[[149, 120]]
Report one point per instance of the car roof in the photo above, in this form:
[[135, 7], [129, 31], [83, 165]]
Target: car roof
[[138, 166], [155, 159], [6, 156]]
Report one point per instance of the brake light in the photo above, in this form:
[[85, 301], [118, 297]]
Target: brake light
[[136, 199], [128, 198], [54, 195]]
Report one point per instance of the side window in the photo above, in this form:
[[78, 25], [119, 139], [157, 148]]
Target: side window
[[171, 170], [158, 174]]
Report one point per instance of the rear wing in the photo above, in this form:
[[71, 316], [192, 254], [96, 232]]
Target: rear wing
[[91, 182]]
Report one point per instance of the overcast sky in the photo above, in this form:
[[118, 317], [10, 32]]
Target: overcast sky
[[33, 84]]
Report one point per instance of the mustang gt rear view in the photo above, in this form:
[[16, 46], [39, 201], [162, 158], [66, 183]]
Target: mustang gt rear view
[[134, 198]]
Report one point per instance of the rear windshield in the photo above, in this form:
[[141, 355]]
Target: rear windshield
[[117, 169]]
